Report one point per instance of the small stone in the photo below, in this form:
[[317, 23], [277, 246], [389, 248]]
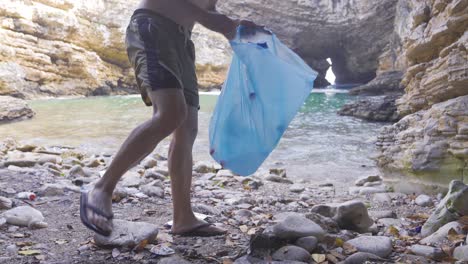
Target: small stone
[[363, 180], [428, 252], [371, 190], [276, 178], [26, 148], [78, 171], [389, 222], [423, 200], [353, 215], [461, 253], [327, 184], [173, 260], [152, 174], [20, 163], [152, 191], [292, 253], [5, 203], [371, 184], [51, 189], [132, 179], [296, 188], [25, 216], [308, 243], [128, 234], [12, 249], [93, 163], [149, 163], [382, 198], [202, 167], [294, 227], [382, 214], [378, 245], [362, 257], [224, 173], [119, 194]]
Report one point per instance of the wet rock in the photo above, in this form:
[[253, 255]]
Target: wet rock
[[428, 252], [308, 243], [276, 178], [291, 253], [78, 171], [454, 204], [461, 253], [423, 200], [293, 227], [441, 235], [363, 180], [132, 179], [378, 245], [5, 203], [152, 174], [373, 108], [149, 163], [127, 234], [173, 260], [25, 216], [362, 257], [296, 188]]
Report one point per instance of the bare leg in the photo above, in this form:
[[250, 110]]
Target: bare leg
[[180, 169], [171, 113]]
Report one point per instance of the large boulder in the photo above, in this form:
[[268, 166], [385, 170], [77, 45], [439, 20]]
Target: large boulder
[[14, 109], [454, 205], [373, 108]]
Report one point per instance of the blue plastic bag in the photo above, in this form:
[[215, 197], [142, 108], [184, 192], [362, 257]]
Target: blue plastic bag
[[266, 85]]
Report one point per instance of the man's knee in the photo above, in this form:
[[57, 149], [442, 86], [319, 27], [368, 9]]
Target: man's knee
[[171, 117]]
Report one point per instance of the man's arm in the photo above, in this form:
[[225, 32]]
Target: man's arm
[[209, 18]]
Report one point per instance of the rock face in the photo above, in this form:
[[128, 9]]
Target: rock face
[[431, 140], [68, 47], [14, 109], [65, 47], [352, 33], [375, 108]]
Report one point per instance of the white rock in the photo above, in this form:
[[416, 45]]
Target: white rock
[[382, 198], [150, 163], [296, 188], [441, 235], [293, 227], [224, 173], [361, 181], [25, 216], [5, 203], [423, 200], [461, 253], [78, 171], [132, 179], [377, 245], [127, 234]]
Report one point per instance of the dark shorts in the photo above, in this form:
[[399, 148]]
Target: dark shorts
[[162, 55]]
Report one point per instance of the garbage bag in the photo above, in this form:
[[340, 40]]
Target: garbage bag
[[266, 85]]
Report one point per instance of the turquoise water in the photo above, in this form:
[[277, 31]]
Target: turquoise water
[[318, 145]]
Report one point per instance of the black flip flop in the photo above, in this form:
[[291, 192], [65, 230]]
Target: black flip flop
[[197, 232], [84, 206]]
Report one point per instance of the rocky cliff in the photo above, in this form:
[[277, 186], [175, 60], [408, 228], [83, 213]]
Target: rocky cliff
[[76, 47], [431, 139]]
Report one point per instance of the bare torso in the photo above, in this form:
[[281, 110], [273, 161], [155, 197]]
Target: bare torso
[[169, 9]]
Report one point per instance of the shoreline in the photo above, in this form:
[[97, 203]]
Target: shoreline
[[247, 206]]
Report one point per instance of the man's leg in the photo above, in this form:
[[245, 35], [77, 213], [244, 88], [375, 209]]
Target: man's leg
[[170, 111], [180, 169]]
